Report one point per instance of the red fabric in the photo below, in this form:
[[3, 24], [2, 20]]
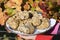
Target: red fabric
[[43, 37]]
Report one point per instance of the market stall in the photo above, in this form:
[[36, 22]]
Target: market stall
[[25, 19]]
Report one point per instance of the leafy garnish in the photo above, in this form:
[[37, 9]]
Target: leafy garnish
[[10, 11], [32, 8]]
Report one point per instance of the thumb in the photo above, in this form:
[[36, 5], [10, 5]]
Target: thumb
[[27, 37]]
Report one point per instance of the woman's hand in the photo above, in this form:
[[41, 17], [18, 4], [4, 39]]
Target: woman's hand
[[27, 37]]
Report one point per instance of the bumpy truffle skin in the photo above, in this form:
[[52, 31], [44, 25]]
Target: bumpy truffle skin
[[23, 15], [44, 24], [27, 21], [23, 28], [30, 26], [12, 23], [36, 21]]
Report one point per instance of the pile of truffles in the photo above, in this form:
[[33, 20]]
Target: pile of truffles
[[28, 21]]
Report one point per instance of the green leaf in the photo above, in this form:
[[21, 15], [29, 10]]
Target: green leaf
[[32, 8], [10, 11]]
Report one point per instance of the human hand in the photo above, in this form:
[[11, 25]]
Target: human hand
[[27, 37]]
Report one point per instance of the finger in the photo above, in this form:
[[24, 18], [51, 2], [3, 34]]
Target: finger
[[25, 37], [28, 37]]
